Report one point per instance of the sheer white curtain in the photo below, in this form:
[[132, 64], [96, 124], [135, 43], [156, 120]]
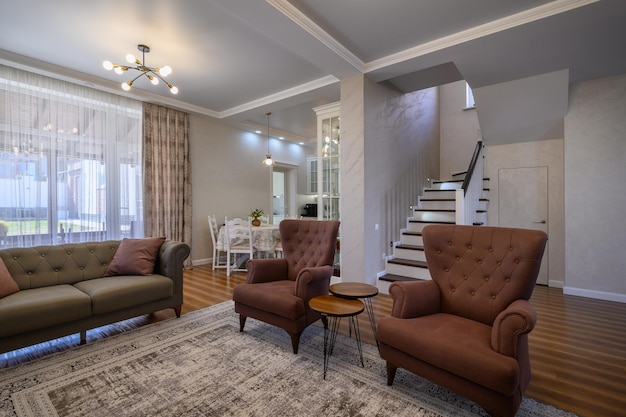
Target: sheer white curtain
[[70, 162]]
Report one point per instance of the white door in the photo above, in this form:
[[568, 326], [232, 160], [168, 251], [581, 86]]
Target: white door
[[523, 203]]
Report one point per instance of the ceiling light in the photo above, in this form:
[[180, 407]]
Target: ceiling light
[[153, 74], [268, 161]]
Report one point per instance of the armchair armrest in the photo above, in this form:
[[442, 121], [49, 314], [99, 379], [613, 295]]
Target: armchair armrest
[[313, 281], [414, 299], [266, 270], [518, 319]]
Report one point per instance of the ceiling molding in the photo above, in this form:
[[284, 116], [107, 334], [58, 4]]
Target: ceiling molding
[[317, 32], [512, 21], [285, 94]]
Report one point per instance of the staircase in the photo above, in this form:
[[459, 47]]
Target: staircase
[[437, 205]]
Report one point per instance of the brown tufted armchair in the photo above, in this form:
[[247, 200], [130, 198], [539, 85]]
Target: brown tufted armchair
[[467, 329], [277, 291]]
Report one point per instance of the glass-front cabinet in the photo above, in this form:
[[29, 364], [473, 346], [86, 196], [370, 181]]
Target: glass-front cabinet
[[328, 161]]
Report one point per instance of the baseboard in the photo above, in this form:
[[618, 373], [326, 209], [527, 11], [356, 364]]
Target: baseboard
[[555, 284], [202, 261], [599, 295]]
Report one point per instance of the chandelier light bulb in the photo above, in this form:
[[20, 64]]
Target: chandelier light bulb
[[165, 71], [153, 74]]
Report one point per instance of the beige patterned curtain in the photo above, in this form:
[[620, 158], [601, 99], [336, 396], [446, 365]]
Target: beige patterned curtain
[[167, 174]]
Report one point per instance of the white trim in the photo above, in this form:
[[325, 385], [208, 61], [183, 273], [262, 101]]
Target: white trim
[[499, 25], [599, 295], [204, 261], [555, 284], [302, 20], [290, 92]]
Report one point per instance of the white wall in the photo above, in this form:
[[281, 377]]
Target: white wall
[[595, 189], [459, 129], [390, 145], [227, 176], [546, 153]]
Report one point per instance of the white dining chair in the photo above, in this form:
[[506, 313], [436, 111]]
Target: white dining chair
[[216, 252], [238, 241]]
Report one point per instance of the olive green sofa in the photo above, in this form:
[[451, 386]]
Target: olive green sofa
[[63, 290]]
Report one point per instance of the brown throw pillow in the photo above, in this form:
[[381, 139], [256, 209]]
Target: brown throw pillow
[[135, 257], [8, 285]]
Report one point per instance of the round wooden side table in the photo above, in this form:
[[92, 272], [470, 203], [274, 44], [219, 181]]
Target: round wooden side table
[[358, 290], [334, 308]]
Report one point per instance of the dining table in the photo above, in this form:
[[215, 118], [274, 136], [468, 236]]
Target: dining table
[[264, 237]]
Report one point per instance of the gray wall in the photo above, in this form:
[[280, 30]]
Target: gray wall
[[459, 128], [227, 176], [595, 185]]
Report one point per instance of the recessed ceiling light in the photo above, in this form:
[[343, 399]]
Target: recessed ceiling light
[[258, 132]]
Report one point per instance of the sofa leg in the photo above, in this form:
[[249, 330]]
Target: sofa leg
[[177, 310], [83, 337], [295, 341], [391, 373], [242, 322]]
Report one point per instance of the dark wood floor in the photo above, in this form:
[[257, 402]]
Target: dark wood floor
[[578, 348]]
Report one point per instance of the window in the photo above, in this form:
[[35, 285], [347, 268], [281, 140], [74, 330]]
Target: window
[[70, 161], [469, 97]]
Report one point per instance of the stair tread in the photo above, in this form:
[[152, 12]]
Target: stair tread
[[410, 247], [394, 277], [444, 181], [410, 233], [430, 221], [408, 262], [437, 199], [430, 190], [437, 210]]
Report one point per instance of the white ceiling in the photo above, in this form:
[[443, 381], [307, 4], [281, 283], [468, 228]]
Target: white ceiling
[[238, 59]]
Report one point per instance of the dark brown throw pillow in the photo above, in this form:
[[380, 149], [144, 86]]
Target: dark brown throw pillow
[[135, 257], [8, 285]]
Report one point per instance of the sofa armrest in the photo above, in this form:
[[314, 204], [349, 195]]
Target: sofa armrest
[[172, 254], [313, 281], [518, 319], [414, 298], [266, 270]]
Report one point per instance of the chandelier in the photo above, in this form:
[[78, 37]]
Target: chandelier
[[268, 161], [153, 74]]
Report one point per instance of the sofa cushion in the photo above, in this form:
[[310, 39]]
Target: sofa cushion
[[40, 308], [119, 292], [455, 344], [8, 285], [135, 257]]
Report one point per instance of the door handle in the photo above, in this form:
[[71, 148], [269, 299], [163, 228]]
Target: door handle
[[542, 222]]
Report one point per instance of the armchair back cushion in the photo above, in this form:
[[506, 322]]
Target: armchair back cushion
[[480, 271], [306, 244]]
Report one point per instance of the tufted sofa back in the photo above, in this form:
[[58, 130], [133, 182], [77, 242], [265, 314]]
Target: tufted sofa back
[[480, 270], [43, 266], [308, 243]]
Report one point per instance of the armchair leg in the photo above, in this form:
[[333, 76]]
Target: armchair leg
[[242, 322], [295, 341], [177, 310], [391, 373]]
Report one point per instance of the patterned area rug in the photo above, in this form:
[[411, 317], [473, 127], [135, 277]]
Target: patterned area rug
[[201, 365]]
